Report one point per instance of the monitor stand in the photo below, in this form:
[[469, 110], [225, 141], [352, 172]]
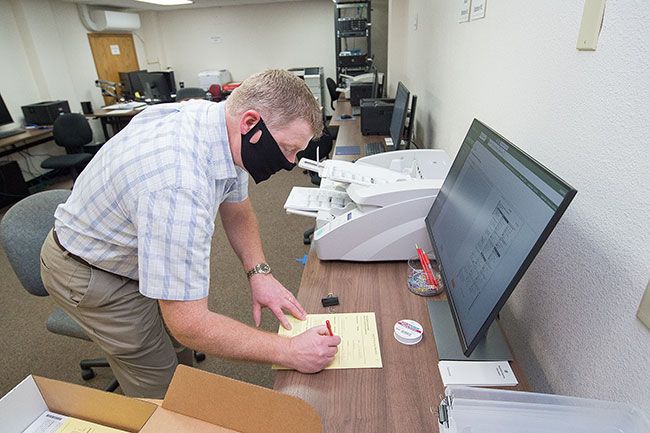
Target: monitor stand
[[492, 348]]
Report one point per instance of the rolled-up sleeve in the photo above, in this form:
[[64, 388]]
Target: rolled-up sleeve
[[174, 230]]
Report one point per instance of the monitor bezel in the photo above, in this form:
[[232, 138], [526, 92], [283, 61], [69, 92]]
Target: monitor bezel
[[468, 347]]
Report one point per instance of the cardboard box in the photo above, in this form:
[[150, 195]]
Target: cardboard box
[[196, 401]]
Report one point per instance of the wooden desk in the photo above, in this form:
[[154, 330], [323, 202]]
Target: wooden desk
[[404, 395], [24, 140], [117, 120], [350, 132]]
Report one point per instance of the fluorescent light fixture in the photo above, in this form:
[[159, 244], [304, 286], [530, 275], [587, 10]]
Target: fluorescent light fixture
[[168, 2]]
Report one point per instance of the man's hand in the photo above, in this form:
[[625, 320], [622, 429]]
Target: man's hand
[[312, 350], [266, 291]]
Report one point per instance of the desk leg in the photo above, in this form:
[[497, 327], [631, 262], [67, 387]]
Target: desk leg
[[104, 122]]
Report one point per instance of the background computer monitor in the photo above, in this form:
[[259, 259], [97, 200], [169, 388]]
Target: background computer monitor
[[5, 116], [375, 84], [155, 85], [131, 83], [408, 136], [495, 210], [398, 119]]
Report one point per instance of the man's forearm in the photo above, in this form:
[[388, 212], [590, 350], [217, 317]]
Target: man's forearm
[[221, 336], [242, 230]]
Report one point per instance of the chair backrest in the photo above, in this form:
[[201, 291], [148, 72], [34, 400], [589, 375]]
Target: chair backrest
[[331, 87], [189, 93], [23, 230], [215, 91], [72, 131]]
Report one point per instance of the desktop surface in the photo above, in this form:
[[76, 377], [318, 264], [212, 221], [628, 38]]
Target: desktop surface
[[403, 396]]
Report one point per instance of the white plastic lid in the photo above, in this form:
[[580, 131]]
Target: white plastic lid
[[408, 331]]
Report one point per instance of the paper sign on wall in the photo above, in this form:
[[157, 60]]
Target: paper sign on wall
[[115, 50], [477, 11], [463, 15]]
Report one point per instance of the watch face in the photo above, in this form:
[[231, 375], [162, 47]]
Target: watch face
[[264, 268]]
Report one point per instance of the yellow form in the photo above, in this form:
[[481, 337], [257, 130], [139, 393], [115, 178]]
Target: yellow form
[[359, 346], [74, 425]]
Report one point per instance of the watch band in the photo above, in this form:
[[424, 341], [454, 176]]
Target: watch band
[[260, 268]]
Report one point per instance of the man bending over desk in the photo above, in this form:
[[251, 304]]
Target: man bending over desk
[[129, 257]]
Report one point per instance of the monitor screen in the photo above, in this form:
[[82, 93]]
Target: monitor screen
[[5, 116], [399, 114], [494, 212]]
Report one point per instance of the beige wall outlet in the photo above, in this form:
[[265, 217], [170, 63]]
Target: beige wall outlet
[[644, 308]]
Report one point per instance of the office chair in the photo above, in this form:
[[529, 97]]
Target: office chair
[[72, 132], [190, 93], [215, 92], [331, 87], [22, 233]]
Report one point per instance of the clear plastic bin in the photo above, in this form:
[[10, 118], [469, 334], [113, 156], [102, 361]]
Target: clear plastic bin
[[480, 410]]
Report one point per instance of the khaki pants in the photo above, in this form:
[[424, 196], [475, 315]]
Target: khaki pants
[[122, 322]]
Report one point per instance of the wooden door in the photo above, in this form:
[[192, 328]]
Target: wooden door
[[113, 53]]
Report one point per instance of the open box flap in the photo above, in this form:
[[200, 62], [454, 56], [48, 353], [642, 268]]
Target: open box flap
[[94, 405], [237, 405], [21, 406]]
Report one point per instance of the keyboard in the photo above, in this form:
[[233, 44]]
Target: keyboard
[[374, 147], [9, 133]]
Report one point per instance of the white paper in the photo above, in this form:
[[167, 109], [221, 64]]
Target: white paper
[[463, 13], [48, 422], [477, 11], [115, 50], [477, 373]]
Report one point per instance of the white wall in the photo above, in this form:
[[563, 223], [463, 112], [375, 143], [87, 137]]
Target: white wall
[[47, 57], [253, 38], [585, 116]]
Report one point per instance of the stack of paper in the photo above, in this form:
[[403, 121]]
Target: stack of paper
[[477, 373]]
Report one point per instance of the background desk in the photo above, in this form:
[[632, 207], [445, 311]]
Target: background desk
[[403, 396], [116, 120], [350, 132], [24, 140]]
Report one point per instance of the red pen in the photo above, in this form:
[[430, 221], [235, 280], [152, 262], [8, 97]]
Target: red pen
[[426, 267], [329, 328]]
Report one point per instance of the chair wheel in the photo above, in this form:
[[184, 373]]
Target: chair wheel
[[199, 356], [87, 373]]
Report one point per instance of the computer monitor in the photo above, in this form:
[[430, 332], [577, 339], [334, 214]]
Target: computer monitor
[[5, 116], [495, 209], [375, 84], [157, 85], [131, 84], [398, 119], [411, 126]]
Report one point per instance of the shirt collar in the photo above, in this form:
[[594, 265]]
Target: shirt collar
[[219, 156]]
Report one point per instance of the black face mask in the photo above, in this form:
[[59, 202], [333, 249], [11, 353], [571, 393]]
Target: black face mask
[[263, 158]]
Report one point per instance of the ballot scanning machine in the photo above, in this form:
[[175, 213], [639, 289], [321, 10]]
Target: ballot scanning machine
[[372, 209]]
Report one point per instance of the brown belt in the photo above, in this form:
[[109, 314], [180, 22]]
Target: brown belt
[[72, 256]]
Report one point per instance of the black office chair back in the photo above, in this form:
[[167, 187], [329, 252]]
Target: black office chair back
[[23, 230], [190, 93], [72, 131], [331, 87]]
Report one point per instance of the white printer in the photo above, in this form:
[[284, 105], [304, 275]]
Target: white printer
[[372, 209]]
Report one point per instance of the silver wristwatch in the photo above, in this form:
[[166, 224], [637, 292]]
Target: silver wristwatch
[[260, 268]]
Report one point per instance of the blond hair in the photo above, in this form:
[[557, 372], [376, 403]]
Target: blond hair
[[280, 97]]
